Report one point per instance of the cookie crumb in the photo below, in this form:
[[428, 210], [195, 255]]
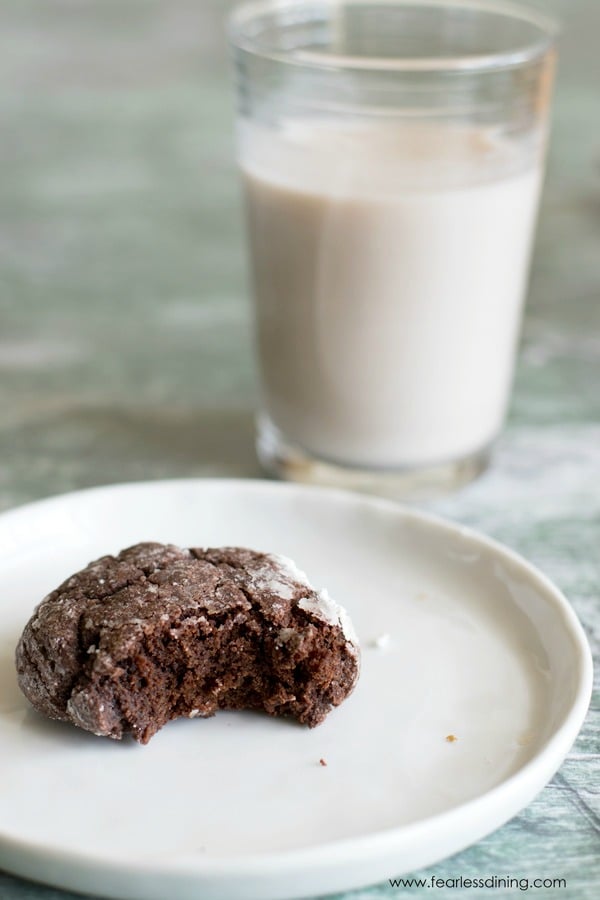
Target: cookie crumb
[[322, 762], [381, 642], [526, 738], [451, 738]]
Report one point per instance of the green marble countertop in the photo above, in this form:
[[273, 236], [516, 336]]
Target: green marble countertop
[[125, 351]]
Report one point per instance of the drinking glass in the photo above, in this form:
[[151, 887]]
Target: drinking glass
[[392, 156]]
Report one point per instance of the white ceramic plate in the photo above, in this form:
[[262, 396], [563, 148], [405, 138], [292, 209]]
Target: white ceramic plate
[[481, 646]]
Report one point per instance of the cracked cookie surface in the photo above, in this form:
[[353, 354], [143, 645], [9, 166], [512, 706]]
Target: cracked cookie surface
[[158, 633]]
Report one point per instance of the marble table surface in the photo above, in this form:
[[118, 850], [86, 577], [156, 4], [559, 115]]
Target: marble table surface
[[125, 348]]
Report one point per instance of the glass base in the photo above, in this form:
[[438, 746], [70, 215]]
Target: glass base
[[292, 463]]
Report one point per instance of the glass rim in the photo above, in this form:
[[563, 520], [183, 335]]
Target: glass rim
[[548, 27]]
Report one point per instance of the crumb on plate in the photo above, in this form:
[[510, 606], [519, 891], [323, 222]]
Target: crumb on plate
[[381, 642]]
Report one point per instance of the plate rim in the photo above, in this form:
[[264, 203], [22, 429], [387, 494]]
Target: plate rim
[[526, 782]]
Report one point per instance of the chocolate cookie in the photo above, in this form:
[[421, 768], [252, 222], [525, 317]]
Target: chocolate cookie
[[157, 632]]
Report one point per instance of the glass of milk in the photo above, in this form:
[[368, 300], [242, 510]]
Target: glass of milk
[[392, 155]]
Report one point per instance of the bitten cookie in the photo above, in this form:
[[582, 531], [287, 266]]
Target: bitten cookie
[[158, 632]]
